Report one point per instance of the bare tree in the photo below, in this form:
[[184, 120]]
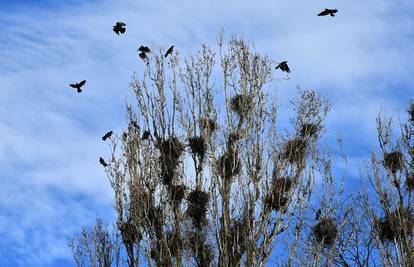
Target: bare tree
[[204, 174]]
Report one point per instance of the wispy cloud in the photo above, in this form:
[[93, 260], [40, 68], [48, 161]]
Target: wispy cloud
[[51, 183]]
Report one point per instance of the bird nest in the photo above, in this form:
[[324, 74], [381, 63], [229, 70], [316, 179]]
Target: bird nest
[[177, 193], [325, 231], [208, 124], [409, 182], [309, 130], [197, 206], [129, 232], [277, 198], [241, 104], [397, 224], [294, 150], [198, 146], [229, 164], [393, 161], [171, 150]]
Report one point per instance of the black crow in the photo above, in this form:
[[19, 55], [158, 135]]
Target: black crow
[[318, 214], [328, 12], [78, 85], [119, 27], [107, 135], [283, 66], [145, 135], [102, 161], [142, 55], [144, 49], [169, 51]]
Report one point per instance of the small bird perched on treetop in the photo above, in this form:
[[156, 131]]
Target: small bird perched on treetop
[[102, 161], [169, 51], [119, 27], [107, 135], [328, 12], [78, 85], [283, 66]]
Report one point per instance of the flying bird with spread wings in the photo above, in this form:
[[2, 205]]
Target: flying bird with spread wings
[[327, 11], [119, 27], [78, 85], [169, 51], [283, 66], [107, 135]]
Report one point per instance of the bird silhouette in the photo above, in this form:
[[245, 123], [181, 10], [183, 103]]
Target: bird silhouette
[[328, 12], [144, 49], [169, 51], [107, 135], [119, 27], [318, 214], [142, 55], [102, 161], [283, 66], [145, 135], [78, 85]]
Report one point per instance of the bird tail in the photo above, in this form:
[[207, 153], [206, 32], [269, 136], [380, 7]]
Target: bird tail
[[79, 90], [332, 15]]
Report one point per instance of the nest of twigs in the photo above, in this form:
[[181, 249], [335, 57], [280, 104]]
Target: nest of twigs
[[197, 206], [198, 146], [397, 224], [171, 150], [393, 161], [241, 105], [309, 130], [208, 124], [277, 198], [294, 150], [238, 234], [177, 193], [201, 250], [229, 164], [129, 232], [409, 182], [325, 231]]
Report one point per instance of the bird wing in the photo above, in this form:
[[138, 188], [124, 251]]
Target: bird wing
[[323, 13], [141, 48], [81, 83], [121, 23], [334, 10], [73, 85], [122, 30]]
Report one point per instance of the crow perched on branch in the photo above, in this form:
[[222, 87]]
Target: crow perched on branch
[[78, 85], [102, 161], [119, 27], [107, 135], [283, 66], [169, 51], [328, 12]]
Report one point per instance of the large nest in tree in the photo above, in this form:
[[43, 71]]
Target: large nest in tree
[[238, 237], [197, 206], [129, 232], [241, 104], [277, 198], [200, 249], [177, 193], [198, 146], [170, 153], [309, 130], [397, 224], [409, 182], [325, 231], [229, 164], [208, 124], [294, 150], [393, 161]]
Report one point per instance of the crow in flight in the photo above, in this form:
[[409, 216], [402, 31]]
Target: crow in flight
[[107, 135], [119, 27], [283, 66], [145, 135], [169, 51], [328, 12], [78, 85], [144, 49], [102, 161]]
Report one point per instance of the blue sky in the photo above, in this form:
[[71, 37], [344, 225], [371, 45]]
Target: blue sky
[[51, 183]]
